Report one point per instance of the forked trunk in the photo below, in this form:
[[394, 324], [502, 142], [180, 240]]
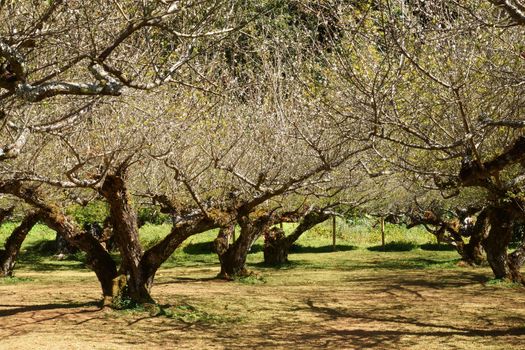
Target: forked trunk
[[233, 260], [14, 242], [277, 245]]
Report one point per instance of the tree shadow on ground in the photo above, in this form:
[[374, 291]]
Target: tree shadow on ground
[[393, 332], [437, 247], [415, 263], [394, 247], [40, 256], [16, 309], [334, 313], [344, 328], [285, 266], [199, 248], [298, 249], [175, 280], [453, 280], [208, 248]]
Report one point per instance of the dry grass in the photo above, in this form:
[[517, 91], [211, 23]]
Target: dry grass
[[344, 300]]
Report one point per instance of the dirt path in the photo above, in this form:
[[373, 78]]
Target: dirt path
[[294, 309]]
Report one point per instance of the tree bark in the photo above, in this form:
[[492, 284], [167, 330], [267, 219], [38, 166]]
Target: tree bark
[[497, 242], [5, 213], [126, 233], [516, 261], [180, 231], [97, 257], [473, 253], [222, 242], [14, 242], [233, 260], [277, 249]]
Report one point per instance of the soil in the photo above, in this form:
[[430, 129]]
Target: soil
[[288, 309]]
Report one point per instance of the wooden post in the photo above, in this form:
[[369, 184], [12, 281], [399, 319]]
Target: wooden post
[[281, 225], [382, 231], [333, 232], [233, 236]]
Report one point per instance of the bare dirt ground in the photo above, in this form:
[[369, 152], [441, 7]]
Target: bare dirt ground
[[294, 309]]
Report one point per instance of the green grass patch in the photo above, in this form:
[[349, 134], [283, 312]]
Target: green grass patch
[[352, 241], [185, 313], [252, 278], [14, 280], [503, 283], [437, 247], [37, 234]]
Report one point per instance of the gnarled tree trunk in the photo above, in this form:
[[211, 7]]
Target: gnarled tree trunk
[[473, 253], [180, 231], [497, 242], [97, 257], [222, 242], [126, 233], [12, 246], [516, 261], [277, 246], [233, 260]]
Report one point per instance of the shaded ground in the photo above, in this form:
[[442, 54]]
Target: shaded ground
[[342, 300]]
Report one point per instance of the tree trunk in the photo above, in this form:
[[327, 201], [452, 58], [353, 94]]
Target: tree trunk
[[516, 261], [126, 233], [222, 242], [14, 242], [97, 257], [233, 260], [63, 248], [5, 213], [473, 253], [276, 247], [180, 231], [497, 242], [277, 250]]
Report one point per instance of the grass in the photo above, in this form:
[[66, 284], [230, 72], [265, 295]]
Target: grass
[[358, 299], [190, 314], [499, 283], [14, 280], [352, 238], [355, 297]]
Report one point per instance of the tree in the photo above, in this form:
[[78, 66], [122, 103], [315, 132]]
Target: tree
[[58, 61], [441, 94]]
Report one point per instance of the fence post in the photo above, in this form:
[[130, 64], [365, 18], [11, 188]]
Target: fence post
[[333, 233], [382, 231]]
